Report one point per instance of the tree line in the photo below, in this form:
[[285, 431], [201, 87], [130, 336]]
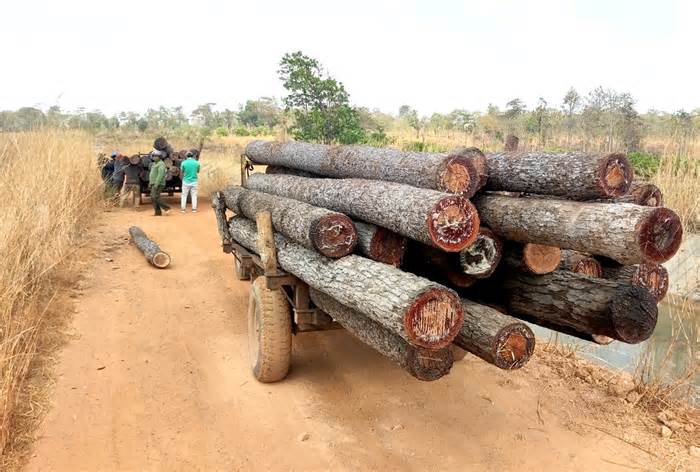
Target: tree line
[[317, 108]]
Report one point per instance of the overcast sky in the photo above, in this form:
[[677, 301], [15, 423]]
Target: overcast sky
[[433, 55]]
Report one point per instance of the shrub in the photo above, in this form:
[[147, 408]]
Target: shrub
[[645, 165], [221, 131]]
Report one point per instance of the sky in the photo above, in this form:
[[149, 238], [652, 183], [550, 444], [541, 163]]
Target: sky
[[435, 56]]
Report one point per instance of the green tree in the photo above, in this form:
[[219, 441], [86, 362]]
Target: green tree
[[261, 112], [540, 121], [571, 103], [410, 117], [318, 103]]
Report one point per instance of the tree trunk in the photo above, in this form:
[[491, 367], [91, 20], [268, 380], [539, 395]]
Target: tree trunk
[[274, 170], [330, 233], [422, 312], [584, 304], [643, 193], [478, 161], [497, 338], [443, 172], [627, 233], [380, 244], [573, 175], [161, 144], [580, 263], [219, 204], [423, 364], [449, 222], [436, 265], [511, 144], [154, 255], [533, 258], [481, 258], [652, 277]]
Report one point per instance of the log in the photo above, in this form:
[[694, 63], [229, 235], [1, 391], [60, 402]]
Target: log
[[218, 203], [439, 266], [627, 233], [593, 306], [481, 258], [495, 337], [287, 171], [643, 193], [266, 242], [150, 249], [652, 277], [422, 312], [380, 244], [442, 172], [511, 143], [532, 258], [572, 175], [330, 233], [478, 161], [580, 263], [449, 222], [161, 144], [423, 364]]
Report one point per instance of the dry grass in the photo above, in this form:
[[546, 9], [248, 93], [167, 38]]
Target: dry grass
[[51, 192]]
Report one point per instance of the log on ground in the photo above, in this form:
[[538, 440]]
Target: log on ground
[[328, 232], [150, 249], [652, 277], [580, 263], [380, 244], [449, 222], [420, 311], [574, 175], [627, 233], [443, 172], [497, 338], [423, 364], [593, 306]]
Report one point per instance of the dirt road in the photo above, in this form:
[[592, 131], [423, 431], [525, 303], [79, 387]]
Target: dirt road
[[157, 378]]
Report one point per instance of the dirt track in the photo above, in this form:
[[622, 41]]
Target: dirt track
[[157, 378]]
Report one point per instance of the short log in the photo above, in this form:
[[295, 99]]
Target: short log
[[652, 277], [380, 244], [481, 257], [580, 263], [150, 249], [532, 258], [643, 193]]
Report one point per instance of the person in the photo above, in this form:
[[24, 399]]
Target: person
[[108, 168], [156, 181], [190, 171], [118, 173], [132, 183]]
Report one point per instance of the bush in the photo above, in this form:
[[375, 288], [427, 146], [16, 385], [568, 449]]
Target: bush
[[644, 165], [221, 131], [241, 131], [422, 146]]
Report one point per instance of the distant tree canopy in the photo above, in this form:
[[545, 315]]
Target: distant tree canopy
[[262, 112], [318, 103]]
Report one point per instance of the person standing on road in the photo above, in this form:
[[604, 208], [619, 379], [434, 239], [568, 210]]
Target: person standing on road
[[120, 163], [190, 173], [156, 181], [132, 183]]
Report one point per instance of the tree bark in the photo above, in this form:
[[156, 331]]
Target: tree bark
[[533, 258], [150, 249], [481, 258], [442, 172], [572, 175], [161, 144], [380, 244], [276, 170], [627, 233], [580, 263], [497, 338], [422, 312], [643, 193], [449, 222], [423, 364], [652, 277], [219, 204], [330, 233], [584, 304]]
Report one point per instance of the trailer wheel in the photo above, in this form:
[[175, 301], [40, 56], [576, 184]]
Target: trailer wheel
[[269, 332], [240, 272]]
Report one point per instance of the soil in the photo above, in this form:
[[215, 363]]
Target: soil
[[156, 377]]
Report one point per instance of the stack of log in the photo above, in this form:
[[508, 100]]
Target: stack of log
[[172, 159], [416, 252]]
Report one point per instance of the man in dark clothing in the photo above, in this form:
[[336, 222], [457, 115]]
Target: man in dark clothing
[[156, 181], [120, 163], [132, 183]]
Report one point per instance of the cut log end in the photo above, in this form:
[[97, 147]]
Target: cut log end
[[161, 260], [481, 258], [434, 319], [588, 266], [615, 175], [540, 259], [634, 313], [602, 339], [458, 176], [514, 346], [653, 277], [660, 235], [428, 364], [453, 223], [334, 235], [387, 247]]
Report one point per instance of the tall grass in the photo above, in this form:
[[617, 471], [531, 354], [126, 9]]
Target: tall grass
[[50, 191]]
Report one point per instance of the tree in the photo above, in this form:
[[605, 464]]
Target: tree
[[570, 105], [262, 112], [319, 104], [539, 122], [410, 117]]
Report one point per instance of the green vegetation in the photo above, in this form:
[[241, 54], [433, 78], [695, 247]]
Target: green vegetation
[[645, 165]]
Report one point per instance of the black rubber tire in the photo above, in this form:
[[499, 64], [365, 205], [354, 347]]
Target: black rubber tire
[[239, 271], [269, 332]]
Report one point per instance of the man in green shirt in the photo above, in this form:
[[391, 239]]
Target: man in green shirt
[[190, 171], [156, 181]]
